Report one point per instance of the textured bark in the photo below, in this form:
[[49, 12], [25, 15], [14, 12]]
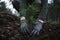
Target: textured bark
[[44, 10]]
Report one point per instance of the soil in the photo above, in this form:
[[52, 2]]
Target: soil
[[9, 30]]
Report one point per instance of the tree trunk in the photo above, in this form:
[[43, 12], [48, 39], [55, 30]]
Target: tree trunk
[[44, 10]]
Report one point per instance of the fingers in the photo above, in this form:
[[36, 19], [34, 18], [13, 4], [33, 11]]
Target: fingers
[[34, 33], [36, 29], [28, 31], [25, 31], [37, 33]]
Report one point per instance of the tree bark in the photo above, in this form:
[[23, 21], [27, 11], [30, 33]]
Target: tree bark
[[44, 10]]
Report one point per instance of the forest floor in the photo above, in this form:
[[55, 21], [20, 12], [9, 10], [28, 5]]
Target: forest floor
[[9, 30]]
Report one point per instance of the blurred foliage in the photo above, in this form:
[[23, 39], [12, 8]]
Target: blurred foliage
[[30, 12]]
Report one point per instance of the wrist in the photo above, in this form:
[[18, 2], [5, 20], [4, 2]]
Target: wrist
[[22, 18], [41, 21]]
